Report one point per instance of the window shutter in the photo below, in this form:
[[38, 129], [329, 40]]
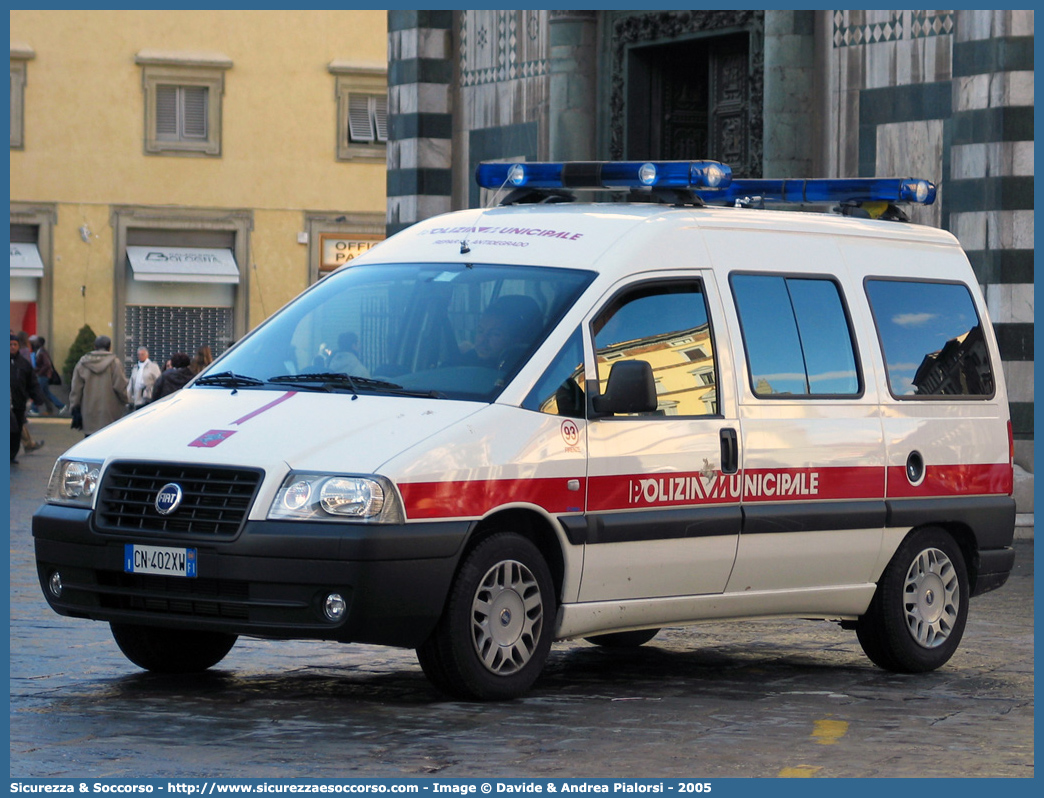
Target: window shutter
[[195, 112], [360, 125], [380, 117], [167, 112]]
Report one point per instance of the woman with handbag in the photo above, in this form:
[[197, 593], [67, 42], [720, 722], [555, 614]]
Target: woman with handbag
[[46, 375]]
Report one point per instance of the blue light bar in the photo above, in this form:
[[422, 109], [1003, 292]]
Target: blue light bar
[[604, 174], [855, 189]]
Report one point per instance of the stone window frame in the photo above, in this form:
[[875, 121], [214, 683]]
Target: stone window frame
[[21, 55], [355, 78], [183, 69], [240, 222], [43, 216]]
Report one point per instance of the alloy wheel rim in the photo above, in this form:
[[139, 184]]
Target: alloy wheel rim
[[931, 598]]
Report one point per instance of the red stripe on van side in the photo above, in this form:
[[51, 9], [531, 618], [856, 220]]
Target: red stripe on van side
[[753, 485], [953, 480], [476, 497]]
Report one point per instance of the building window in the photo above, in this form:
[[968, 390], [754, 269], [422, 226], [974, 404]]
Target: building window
[[181, 113], [362, 111], [367, 118], [183, 93], [21, 54]]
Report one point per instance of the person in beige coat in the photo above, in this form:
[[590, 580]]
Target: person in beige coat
[[99, 387]]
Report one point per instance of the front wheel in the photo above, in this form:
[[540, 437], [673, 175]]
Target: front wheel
[[171, 650], [917, 617], [495, 633]]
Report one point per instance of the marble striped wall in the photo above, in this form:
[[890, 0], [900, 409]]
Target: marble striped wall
[[948, 95], [420, 121]]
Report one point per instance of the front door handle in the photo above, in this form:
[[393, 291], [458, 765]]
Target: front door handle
[[729, 451]]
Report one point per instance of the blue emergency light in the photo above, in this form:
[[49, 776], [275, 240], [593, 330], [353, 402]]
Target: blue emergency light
[[711, 181], [604, 174], [845, 189]]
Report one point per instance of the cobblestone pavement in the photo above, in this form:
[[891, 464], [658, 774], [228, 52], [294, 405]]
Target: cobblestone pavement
[[762, 699]]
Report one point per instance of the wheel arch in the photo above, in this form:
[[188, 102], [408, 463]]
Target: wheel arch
[[964, 536], [534, 525]]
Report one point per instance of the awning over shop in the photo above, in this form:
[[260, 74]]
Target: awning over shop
[[25, 261], [181, 264]]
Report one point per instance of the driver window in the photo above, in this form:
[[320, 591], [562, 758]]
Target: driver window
[[666, 325], [559, 391]]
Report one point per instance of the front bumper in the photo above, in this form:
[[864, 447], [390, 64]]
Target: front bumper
[[269, 582]]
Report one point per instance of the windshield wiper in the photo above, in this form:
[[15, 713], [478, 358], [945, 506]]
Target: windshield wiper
[[227, 379], [327, 379], [355, 384]]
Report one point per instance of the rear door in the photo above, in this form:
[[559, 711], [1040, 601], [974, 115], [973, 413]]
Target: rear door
[[812, 448], [663, 508]]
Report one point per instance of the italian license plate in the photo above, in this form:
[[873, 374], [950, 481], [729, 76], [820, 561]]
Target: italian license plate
[[139, 559]]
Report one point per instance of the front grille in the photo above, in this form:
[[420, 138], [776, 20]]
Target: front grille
[[215, 500], [165, 595]]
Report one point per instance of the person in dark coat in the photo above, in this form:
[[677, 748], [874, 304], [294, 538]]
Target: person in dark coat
[[174, 378], [44, 368], [23, 388]]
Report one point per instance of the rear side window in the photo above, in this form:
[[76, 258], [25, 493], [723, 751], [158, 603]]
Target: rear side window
[[796, 336], [931, 338]]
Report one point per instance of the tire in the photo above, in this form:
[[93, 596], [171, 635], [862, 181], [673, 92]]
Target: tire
[[171, 650], [633, 639], [917, 617], [495, 632]]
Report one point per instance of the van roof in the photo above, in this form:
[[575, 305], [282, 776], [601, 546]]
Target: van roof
[[580, 235]]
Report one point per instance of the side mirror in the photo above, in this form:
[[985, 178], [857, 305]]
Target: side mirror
[[630, 389]]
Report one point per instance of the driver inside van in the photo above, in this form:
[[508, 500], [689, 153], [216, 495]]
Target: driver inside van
[[346, 358], [509, 323]]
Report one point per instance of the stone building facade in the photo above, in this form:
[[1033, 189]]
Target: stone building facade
[[946, 95]]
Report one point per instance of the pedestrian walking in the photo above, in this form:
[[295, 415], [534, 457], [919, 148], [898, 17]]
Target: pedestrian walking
[[26, 352], [174, 378], [99, 387], [45, 371], [143, 378], [23, 388]]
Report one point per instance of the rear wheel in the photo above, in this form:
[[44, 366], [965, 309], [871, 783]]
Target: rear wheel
[[495, 633], [917, 617], [171, 650], [638, 637]]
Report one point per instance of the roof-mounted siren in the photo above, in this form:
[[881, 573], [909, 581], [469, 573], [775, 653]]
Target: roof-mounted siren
[[551, 181], [875, 197]]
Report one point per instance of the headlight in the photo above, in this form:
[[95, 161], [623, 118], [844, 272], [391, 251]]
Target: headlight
[[336, 497], [74, 482]]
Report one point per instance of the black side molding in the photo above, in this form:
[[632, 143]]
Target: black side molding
[[990, 518], [761, 519], [645, 525]]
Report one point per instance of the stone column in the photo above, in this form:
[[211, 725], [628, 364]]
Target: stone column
[[990, 192], [420, 120], [790, 121], [573, 84]]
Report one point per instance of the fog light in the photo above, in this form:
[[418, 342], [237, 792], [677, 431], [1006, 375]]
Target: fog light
[[334, 607], [54, 584]]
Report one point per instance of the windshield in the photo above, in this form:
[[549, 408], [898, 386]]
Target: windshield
[[459, 332]]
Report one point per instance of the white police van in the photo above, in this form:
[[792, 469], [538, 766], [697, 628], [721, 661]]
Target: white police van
[[551, 420]]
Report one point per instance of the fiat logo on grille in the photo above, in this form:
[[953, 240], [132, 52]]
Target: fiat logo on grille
[[168, 499]]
